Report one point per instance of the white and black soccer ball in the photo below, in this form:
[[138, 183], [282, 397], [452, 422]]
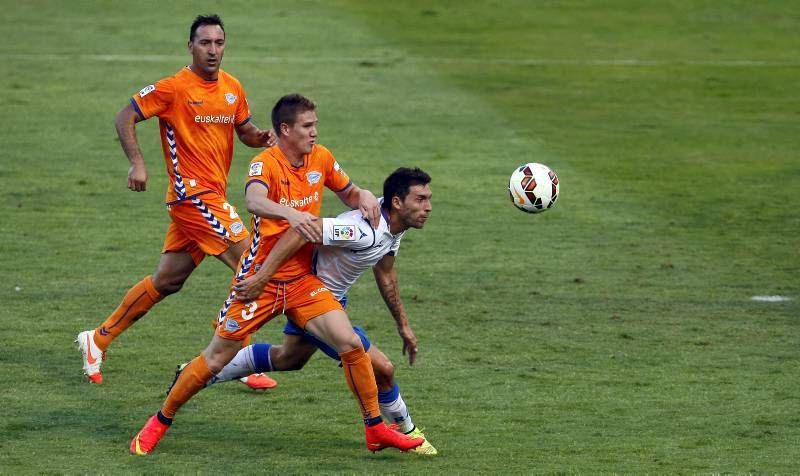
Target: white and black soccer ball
[[533, 188]]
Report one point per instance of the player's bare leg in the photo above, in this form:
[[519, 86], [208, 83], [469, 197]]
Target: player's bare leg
[[292, 354], [234, 252], [334, 328], [173, 269]]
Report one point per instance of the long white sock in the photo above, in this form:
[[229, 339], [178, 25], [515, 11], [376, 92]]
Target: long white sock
[[251, 359], [394, 409]]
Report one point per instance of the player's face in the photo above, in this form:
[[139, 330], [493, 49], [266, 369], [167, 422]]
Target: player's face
[[416, 207], [207, 49], [301, 135]]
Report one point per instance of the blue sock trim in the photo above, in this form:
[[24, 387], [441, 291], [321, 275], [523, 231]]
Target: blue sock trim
[[373, 421], [390, 395], [164, 420], [261, 357]]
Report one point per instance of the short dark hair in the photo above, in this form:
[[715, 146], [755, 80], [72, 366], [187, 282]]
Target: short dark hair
[[202, 20], [288, 108], [400, 182]]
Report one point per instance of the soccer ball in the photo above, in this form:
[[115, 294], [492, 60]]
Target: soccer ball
[[533, 188]]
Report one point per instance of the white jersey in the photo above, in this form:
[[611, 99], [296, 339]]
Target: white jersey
[[351, 246]]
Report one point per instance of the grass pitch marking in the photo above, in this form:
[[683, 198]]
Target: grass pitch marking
[[771, 298]]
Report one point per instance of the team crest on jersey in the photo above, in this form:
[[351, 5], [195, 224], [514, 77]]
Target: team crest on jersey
[[313, 177], [256, 169], [344, 232], [230, 97], [147, 90]]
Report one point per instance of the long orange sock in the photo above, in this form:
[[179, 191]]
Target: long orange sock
[[191, 380], [139, 299], [361, 379]]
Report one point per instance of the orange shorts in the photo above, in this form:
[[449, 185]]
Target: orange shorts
[[203, 225], [301, 299]]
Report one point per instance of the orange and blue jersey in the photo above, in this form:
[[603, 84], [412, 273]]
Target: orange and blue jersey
[[197, 119]]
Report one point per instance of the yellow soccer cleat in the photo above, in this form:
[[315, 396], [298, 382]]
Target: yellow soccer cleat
[[425, 448]]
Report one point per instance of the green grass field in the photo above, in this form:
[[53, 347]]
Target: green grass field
[[613, 334]]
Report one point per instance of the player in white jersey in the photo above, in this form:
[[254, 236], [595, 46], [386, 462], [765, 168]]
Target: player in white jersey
[[350, 247]]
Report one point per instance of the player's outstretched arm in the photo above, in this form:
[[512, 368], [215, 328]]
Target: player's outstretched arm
[[386, 278], [252, 136], [258, 204], [249, 289], [291, 241], [363, 200], [125, 124]]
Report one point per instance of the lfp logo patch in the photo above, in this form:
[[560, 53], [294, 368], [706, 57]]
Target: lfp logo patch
[[230, 97], [344, 232], [256, 169], [313, 177], [147, 90]]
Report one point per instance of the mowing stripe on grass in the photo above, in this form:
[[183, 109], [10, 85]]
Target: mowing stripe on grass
[[733, 63]]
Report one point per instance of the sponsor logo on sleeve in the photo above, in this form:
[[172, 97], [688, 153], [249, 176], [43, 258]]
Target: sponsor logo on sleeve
[[237, 227], [231, 325], [313, 177], [256, 168], [336, 166], [147, 90], [344, 232], [230, 97]]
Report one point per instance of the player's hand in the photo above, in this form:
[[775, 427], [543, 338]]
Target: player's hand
[[267, 138], [249, 289], [369, 207], [137, 177], [409, 344], [307, 225]]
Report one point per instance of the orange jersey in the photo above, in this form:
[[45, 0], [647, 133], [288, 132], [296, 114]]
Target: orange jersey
[[296, 187], [197, 120]]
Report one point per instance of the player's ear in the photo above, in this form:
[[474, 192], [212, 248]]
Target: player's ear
[[284, 128], [397, 203]]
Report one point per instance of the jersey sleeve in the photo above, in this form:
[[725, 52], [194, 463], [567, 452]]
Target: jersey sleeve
[[154, 99], [348, 231], [243, 114], [259, 172], [336, 179]]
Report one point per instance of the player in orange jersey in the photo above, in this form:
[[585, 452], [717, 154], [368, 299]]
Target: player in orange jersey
[[284, 190], [198, 109]]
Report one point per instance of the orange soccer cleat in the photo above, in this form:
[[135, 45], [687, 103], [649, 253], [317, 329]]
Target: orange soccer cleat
[[381, 436], [259, 381], [148, 437]]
